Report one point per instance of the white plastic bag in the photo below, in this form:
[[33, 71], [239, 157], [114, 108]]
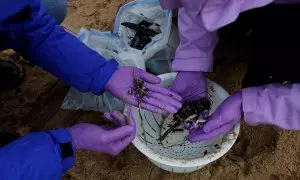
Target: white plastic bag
[[110, 46], [163, 45], [116, 46]]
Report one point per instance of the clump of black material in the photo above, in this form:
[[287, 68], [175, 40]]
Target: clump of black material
[[189, 114], [143, 34]]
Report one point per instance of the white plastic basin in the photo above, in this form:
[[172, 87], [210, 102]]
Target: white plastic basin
[[187, 157]]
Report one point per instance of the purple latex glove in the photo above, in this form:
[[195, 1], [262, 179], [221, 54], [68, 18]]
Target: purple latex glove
[[170, 4], [274, 104], [157, 100], [109, 141], [190, 85], [223, 120]]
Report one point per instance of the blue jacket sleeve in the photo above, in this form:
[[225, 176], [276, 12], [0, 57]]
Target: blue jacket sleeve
[[26, 28], [35, 156]]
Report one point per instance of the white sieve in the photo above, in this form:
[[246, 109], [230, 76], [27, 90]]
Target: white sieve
[[185, 156]]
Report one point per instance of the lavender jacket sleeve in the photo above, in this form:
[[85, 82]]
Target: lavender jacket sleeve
[[273, 104], [195, 52]]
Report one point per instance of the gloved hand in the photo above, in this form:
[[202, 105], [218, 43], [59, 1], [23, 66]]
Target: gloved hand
[[223, 120], [273, 104], [109, 141], [157, 99], [190, 85]]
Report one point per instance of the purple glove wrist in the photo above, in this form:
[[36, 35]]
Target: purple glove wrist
[[273, 104]]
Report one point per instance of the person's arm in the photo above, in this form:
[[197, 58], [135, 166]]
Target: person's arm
[[26, 28], [194, 55], [49, 155], [195, 52], [273, 104], [43, 155]]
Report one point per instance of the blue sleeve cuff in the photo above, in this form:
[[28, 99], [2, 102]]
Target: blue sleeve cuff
[[100, 80], [62, 136]]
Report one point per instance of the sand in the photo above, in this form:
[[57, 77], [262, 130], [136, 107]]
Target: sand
[[98, 14], [261, 152], [18, 103]]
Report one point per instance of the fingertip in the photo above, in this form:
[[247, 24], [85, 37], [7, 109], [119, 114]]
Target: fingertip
[[126, 129], [156, 80], [159, 111], [212, 123], [119, 133], [200, 137], [107, 116], [192, 139], [131, 121], [174, 102], [165, 106], [193, 133], [176, 96], [173, 110], [150, 78], [188, 137], [179, 105], [130, 117], [130, 129], [117, 114], [170, 109]]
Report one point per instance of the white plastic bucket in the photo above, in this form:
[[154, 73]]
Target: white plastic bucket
[[187, 157]]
